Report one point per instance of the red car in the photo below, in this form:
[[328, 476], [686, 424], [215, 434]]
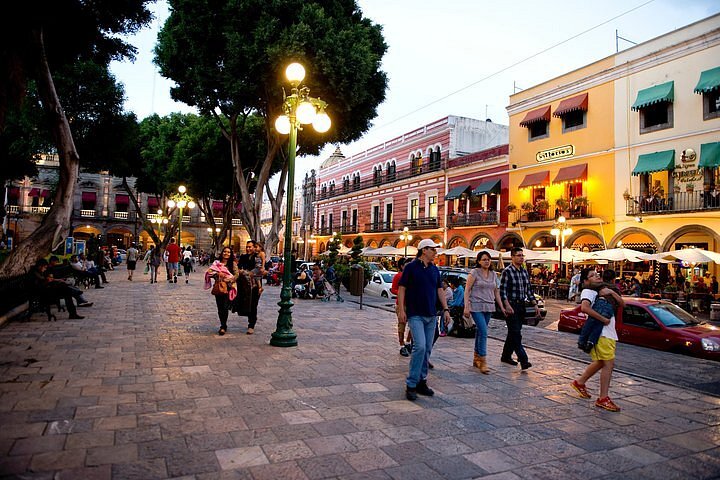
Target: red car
[[655, 324]]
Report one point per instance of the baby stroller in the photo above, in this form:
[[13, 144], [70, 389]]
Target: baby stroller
[[331, 291]]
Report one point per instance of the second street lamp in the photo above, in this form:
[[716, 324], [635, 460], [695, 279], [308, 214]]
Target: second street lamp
[[561, 230], [181, 200], [298, 108], [405, 236]]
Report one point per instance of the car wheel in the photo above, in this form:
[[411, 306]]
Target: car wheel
[[384, 294]]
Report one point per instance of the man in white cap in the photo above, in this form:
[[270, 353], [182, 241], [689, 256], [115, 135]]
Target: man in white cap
[[420, 288]]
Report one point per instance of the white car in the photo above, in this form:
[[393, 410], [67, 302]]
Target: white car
[[380, 283]]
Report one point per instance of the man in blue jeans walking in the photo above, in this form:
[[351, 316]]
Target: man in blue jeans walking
[[419, 291]]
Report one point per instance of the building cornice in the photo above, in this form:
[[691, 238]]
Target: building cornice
[[631, 67]]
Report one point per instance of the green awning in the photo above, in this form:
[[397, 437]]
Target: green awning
[[659, 93], [491, 186], [655, 162], [709, 155], [709, 81], [457, 192]]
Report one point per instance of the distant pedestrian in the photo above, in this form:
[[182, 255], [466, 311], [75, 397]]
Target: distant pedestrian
[[173, 260], [602, 354], [420, 289], [187, 261], [515, 291], [153, 259], [132, 256], [481, 296]]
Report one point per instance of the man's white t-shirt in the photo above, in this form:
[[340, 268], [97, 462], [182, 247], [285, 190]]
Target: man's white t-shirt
[[608, 330]]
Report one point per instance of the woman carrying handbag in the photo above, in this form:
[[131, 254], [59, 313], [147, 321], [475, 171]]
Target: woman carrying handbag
[[225, 273]]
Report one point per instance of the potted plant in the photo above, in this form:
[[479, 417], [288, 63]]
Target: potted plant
[[542, 205], [511, 207], [689, 188], [580, 201], [526, 208], [562, 204], [626, 195]]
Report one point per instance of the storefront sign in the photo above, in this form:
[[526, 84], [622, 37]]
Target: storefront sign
[[688, 177], [555, 153]]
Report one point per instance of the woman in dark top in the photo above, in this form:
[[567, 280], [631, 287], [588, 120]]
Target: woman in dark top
[[227, 259]]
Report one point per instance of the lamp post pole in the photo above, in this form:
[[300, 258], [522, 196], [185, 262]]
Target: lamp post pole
[[560, 230], [299, 108], [406, 237], [181, 200]]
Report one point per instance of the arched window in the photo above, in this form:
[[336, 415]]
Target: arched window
[[391, 171], [346, 184], [435, 159], [377, 174], [356, 181], [416, 161]]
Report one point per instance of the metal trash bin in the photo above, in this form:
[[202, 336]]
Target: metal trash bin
[[715, 311], [357, 280]]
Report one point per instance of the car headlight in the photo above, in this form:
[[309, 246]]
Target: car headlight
[[710, 345]]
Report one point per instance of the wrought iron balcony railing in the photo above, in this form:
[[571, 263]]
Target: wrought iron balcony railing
[[379, 227], [422, 223], [687, 201], [472, 219]]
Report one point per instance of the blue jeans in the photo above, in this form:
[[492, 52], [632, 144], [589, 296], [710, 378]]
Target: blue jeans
[[423, 331], [482, 320]]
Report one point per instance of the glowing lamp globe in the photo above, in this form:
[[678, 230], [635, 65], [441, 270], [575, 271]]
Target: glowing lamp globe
[[322, 122], [191, 204], [282, 124], [295, 73], [306, 113], [171, 203], [182, 189], [182, 204]]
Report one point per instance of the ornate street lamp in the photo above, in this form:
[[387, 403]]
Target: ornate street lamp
[[405, 236], [561, 230], [213, 236], [158, 220], [299, 109], [181, 200]]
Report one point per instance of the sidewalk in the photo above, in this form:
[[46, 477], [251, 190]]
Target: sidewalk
[[144, 388]]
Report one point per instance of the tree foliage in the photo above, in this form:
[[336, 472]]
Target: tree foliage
[[227, 58], [37, 43]]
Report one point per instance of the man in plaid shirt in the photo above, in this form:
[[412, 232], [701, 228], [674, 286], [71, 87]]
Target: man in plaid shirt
[[515, 289]]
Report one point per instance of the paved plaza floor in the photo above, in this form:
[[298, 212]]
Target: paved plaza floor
[[144, 388]]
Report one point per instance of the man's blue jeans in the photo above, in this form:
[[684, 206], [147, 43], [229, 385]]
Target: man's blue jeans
[[423, 331], [482, 320]]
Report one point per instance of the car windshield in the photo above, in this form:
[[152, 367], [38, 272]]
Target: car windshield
[[672, 316], [388, 277]]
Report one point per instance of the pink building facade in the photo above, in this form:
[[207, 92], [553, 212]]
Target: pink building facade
[[446, 181]]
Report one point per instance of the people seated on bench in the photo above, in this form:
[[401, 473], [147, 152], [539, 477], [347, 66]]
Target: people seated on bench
[[48, 290], [80, 270], [60, 272], [91, 267]]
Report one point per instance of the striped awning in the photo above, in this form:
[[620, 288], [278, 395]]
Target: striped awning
[[571, 174], [122, 199], [655, 162], [539, 179], [89, 196], [709, 81], [568, 105], [665, 92], [152, 202], [541, 114]]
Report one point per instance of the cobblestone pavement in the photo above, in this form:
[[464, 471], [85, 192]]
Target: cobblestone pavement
[[673, 369], [144, 388]]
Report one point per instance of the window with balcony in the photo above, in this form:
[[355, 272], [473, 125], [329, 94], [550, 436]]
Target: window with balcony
[[356, 181], [416, 162], [432, 206], [377, 175], [435, 159], [414, 208], [391, 171], [346, 185]]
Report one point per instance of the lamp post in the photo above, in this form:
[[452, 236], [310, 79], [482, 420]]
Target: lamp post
[[560, 230], [181, 200], [158, 220], [299, 109], [405, 236]]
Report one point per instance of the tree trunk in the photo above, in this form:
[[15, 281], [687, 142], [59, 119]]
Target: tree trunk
[[57, 220]]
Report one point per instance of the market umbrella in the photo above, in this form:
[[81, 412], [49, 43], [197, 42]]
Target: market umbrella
[[386, 251], [689, 255], [458, 251], [619, 255]]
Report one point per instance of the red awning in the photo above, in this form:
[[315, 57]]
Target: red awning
[[152, 202], [44, 193], [89, 196], [217, 206], [541, 114], [539, 179], [568, 105], [122, 199], [34, 192], [13, 192], [571, 174]]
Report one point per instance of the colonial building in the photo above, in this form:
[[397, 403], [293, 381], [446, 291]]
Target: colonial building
[[626, 148], [101, 207], [444, 181]]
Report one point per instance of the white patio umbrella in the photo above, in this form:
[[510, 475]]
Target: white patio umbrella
[[619, 255], [689, 255], [386, 251], [458, 251]]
